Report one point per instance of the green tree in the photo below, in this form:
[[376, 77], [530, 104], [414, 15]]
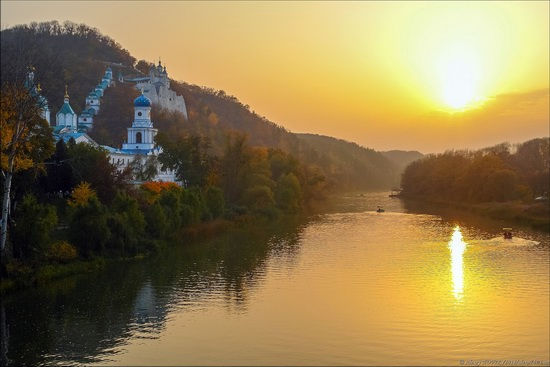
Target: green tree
[[156, 221], [126, 224], [258, 198], [88, 227], [231, 167], [59, 172], [192, 206], [170, 200], [33, 224], [187, 155], [91, 164], [144, 168], [288, 193], [214, 201]]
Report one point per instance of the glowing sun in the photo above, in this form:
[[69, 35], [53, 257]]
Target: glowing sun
[[459, 76]]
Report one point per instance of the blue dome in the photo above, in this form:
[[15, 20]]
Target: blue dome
[[142, 101]]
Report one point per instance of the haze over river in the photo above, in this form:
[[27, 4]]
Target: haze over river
[[348, 286]]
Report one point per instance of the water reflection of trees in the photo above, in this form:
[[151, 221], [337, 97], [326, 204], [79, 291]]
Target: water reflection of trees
[[84, 319], [451, 215]]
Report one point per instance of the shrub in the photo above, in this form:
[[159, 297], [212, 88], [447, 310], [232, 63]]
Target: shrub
[[62, 252]]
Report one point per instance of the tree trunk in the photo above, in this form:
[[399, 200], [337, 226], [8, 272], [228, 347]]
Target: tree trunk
[[5, 210]]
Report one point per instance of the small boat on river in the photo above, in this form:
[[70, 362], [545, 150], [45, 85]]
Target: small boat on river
[[507, 233], [380, 209], [395, 192]]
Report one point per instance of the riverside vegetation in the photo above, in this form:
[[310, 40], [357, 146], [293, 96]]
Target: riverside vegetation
[[499, 182]]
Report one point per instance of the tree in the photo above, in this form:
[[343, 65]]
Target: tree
[[34, 223], [144, 168], [92, 165], [188, 156], [59, 171], [143, 66], [26, 141], [258, 197], [288, 193], [126, 223], [533, 160], [156, 221], [89, 230], [214, 201], [171, 205], [232, 164], [81, 194]]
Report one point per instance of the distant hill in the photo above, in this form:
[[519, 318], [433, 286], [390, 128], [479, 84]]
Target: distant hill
[[355, 167], [402, 158], [77, 55]]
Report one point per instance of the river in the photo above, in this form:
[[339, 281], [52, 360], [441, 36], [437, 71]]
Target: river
[[346, 286]]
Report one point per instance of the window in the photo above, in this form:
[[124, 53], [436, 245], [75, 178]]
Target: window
[[138, 138]]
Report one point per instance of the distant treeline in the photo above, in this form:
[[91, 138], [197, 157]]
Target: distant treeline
[[496, 174]]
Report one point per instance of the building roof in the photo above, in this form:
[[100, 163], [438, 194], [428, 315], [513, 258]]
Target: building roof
[[76, 136], [138, 79], [142, 101], [128, 151], [87, 113], [66, 109]]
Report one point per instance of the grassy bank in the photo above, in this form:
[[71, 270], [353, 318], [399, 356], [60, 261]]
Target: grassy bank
[[21, 275], [535, 215]]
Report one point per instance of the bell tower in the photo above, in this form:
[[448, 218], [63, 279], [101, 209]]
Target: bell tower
[[141, 135]]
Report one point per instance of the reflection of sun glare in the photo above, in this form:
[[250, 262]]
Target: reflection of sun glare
[[457, 247]]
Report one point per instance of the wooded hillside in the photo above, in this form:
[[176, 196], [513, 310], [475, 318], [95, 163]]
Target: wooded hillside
[[77, 55]]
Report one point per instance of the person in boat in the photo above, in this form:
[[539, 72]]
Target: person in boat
[[507, 233]]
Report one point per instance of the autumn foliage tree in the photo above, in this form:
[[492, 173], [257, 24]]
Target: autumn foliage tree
[[26, 141], [495, 174]]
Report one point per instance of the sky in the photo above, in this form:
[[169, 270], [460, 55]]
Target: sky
[[426, 76]]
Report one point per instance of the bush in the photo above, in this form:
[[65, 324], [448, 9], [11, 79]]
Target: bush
[[62, 252]]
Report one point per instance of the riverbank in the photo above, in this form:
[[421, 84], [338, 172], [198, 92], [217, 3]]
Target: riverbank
[[535, 215], [21, 275]]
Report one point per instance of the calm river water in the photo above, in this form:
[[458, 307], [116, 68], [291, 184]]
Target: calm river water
[[349, 286]]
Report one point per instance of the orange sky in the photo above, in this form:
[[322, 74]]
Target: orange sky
[[425, 76]]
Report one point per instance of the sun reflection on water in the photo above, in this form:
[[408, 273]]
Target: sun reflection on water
[[457, 247]]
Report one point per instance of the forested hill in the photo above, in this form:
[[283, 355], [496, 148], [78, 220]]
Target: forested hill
[[61, 54], [77, 55], [402, 158], [353, 164]]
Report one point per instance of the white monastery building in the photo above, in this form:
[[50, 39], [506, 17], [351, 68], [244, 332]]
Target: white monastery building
[[156, 87], [139, 146], [140, 142]]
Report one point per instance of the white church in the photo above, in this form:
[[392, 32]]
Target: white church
[[139, 144]]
